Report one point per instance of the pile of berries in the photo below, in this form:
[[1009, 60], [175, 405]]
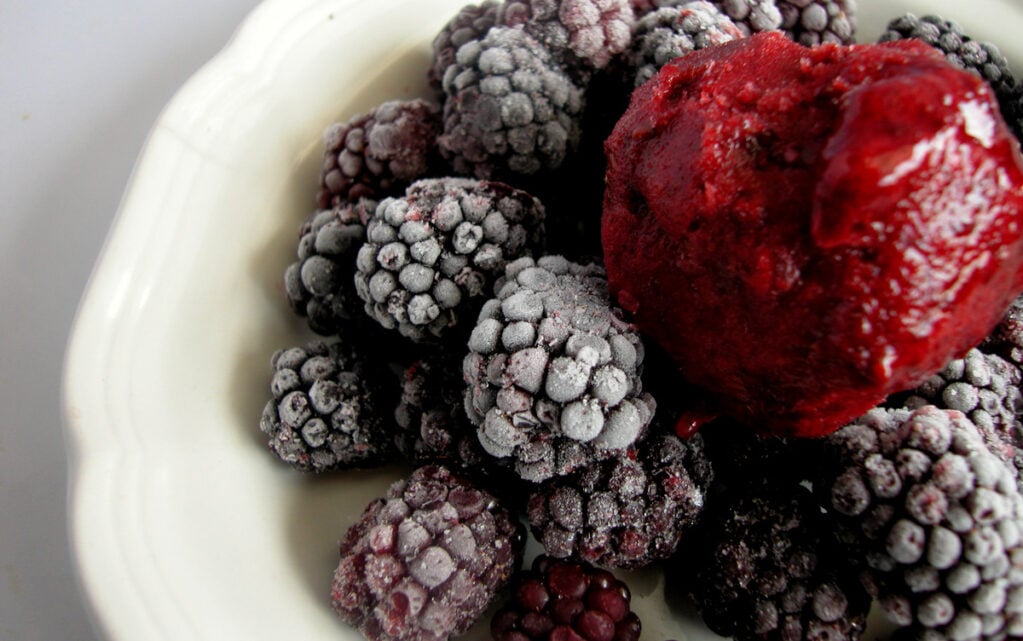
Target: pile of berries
[[462, 335]]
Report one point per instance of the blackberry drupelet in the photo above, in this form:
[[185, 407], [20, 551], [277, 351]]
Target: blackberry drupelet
[[378, 154], [559, 600], [424, 562], [766, 567], [472, 22], [431, 257], [938, 518], [752, 16], [669, 32], [982, 58], [320, 284], [582, 35], [509, 110], [553, 372], [624, 512], [813, 22], [327, 408]]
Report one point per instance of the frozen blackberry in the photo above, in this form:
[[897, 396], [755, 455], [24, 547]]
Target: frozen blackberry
[[583, 35], [986, 388], [431, 257], [509, 110], [327, 408], [624, 512], [378, 154], [743, 458], [670, 32], [766, 567], [553, 371], [1006, 340], [432, 426], [813, 22], [566, 601], [752, 16], [470, 23], [982, 58], [320, 285], [938, 519], [424, 562]]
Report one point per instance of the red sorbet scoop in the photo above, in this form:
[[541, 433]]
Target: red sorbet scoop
[[807, 230]]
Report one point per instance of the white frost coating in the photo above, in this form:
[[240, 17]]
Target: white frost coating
[[978, 122], [921, 151]]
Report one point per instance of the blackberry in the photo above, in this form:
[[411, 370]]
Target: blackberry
[[670, 32], [431, 256], [743, 458], [981, 58], [624, 512], [432, 426], [424, 562], [1006, 339], [937, 518], [472, 22], [583, 35], [326, 409], [320, 285], [766, 567], [509, 110], [752, 16], [559, 600], [378, 154], [813, 22], [986, 388], [553, 371]]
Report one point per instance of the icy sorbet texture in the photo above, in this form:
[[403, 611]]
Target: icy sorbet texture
[[806, 231]]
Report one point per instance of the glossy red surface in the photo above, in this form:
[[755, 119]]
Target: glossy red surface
[[806, 231]]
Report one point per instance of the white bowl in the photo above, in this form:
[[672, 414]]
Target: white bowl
[[183, 525]]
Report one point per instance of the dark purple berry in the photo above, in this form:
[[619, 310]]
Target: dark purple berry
[[380, 153], [418, 567], [566, 600]]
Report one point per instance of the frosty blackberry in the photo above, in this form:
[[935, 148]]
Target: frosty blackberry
[[320, 284], [814, 22], [378, 154], [424, 562], [431, 256], [326, 411], [938, 519], [624, 512], [672, 31], [553, 371], [509, 110]]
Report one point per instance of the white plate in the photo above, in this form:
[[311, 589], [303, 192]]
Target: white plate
[[183, 526]]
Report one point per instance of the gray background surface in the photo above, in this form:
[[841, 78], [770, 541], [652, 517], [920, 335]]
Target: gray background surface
[[80, 86]]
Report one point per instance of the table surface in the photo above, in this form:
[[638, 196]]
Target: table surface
[[80, 87]]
